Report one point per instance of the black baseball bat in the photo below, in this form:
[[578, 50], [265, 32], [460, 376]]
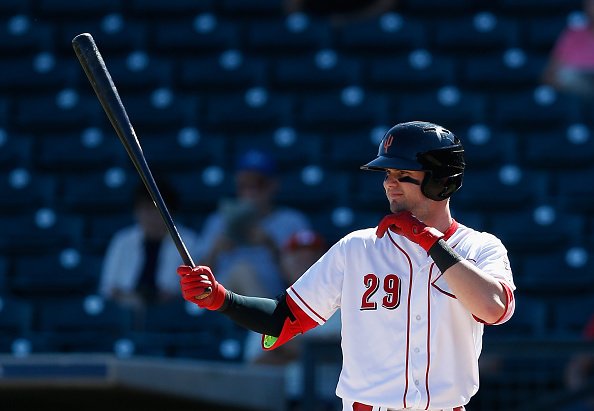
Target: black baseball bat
[[92, 62]]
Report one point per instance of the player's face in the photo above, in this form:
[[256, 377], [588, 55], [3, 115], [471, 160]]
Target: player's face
[[403, 190]]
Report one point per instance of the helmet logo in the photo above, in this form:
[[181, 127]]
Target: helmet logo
[[388, 142]]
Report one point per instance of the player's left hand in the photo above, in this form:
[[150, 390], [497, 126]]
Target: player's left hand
[[405, 224]]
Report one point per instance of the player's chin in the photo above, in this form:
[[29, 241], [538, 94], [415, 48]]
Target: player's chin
[[397, 206]]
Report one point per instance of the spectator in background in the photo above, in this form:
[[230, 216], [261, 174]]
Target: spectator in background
[[341, 12], [302, 249], [571, 64], [136, 267], [244, 236]]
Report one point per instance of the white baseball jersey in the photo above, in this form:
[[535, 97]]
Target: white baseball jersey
[[406, 341]]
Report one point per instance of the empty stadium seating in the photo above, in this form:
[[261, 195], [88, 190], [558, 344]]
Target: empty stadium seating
[[81, 324]]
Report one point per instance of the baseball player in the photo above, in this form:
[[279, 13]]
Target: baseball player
[[414, 292]]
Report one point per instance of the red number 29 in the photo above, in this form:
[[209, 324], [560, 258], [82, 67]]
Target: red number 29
[[391, 298]]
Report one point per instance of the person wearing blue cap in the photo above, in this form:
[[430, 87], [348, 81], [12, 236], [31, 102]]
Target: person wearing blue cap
[[243, 237]]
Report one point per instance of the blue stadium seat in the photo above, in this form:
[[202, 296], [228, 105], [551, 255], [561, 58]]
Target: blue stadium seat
[[419, 70], [570, 148], [539, 230], [349, 151], [228, 349], [323, 69], [140, 70], [473, 219], [343, 110], [505, 70], [4, 271], [530, 320], [449, 106], [171, 8], [251, 9], [505, 188], [90, 150], [16, 317], [82, 324], [313, 188], [4, 111], [290, 148], [24, 190], [537, 109], [294, 32], [571, 314], [336, 222], [368, 192], [37, 73], [203, 33], [160, 109], [230, 69], [481, 31], [39, 230], [256, 108], [181, 317], [574, 193], [16, 322], [527, 8], [20, 35], [543, 32], [178, 328], [182, 148], [201, 190], [114, 34], [390, 32], [100, 191], [562, 271], [16, 151], [13, 7], [485, 148], [81, 8], [61, 110], [436, 7], [68, 272]]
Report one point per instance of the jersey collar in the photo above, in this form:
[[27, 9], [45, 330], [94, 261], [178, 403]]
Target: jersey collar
[[451, 230]]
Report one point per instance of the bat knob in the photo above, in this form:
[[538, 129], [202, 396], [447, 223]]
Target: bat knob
[[206, 293]]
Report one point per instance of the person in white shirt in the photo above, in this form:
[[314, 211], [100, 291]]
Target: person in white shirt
[[136, 265]]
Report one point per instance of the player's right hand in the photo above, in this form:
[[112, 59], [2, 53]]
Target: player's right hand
[[405, 224], [200, 287]]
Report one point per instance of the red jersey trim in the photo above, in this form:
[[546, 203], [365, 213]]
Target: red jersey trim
[[451, 230], [302, 323], [307, 305], [509, 305], [408, 316], [429, 284]]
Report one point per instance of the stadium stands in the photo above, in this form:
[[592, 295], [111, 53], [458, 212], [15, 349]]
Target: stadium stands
[[204, 80]]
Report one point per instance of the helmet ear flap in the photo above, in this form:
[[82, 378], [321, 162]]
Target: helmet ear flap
[[438, 189]]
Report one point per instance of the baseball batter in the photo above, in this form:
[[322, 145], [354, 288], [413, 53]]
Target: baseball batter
[[414, 292]]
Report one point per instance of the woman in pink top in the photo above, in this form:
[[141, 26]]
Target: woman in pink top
[[571, 67]]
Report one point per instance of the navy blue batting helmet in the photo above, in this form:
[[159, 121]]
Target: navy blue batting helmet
[[423, 146]]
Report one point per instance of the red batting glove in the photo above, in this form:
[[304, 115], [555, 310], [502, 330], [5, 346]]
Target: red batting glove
[[405, 224], [195, 282]]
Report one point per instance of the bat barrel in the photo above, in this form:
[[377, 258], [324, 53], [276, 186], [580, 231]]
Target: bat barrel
[[92, 62]]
